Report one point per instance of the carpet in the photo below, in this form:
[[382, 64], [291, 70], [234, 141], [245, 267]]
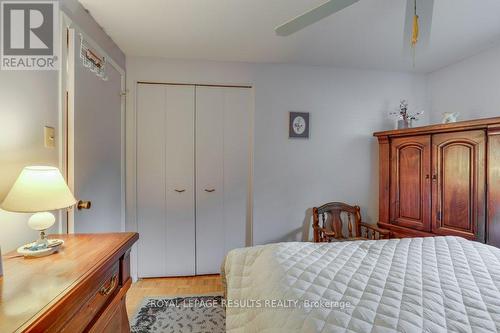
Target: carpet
[[192, 314]]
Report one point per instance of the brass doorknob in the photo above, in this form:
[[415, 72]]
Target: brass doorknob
[[83, 205]]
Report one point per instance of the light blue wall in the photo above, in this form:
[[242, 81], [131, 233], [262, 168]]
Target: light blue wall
[[28, 102]]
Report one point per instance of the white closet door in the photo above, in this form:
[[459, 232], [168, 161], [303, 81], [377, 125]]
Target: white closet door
[[165, 180], [222, 171], [180, 233], [151, 180], [209, 179]]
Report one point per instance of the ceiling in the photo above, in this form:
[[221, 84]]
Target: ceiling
[[369, 34]]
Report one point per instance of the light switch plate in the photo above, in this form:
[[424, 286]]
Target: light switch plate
[[49, 134]]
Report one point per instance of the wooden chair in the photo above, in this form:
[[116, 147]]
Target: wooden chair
[[329, 221]]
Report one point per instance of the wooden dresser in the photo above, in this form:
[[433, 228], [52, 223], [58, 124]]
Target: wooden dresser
[[80, 289], [441, 180]]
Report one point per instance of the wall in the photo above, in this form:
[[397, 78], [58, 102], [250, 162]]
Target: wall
[[471, 87], [338, 162], [29, 100]]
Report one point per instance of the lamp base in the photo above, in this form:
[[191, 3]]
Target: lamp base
[[33, 250], [41, 222], [42, 246]]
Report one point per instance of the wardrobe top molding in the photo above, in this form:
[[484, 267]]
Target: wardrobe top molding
[[195, 84], [490, 124]]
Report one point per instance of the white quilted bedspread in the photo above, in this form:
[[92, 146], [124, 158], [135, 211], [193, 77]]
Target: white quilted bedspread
[[439, 284]]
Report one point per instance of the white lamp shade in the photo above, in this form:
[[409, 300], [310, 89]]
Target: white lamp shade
[[38, 189]]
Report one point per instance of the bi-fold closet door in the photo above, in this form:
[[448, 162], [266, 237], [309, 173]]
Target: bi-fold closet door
[[222, 173], [165, 180], [193, 148]]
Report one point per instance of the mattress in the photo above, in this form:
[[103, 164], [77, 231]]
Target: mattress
[[435, 284]]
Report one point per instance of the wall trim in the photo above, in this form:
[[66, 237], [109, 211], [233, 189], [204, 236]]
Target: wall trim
[[194, 84]]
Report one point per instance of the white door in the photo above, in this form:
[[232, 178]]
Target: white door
[[165, 180], [180, 214], [223, 117], [209, 179], [95, 155]]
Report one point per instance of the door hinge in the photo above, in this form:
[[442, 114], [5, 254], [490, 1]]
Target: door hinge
[[439, 216]]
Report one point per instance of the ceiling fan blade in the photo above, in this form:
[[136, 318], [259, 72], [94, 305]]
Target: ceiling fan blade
[[425, 10], [313, 16]]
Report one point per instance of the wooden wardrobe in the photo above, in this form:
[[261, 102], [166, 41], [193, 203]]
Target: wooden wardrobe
[[441, 180]]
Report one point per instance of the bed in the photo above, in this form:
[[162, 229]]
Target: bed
[[434, 284]]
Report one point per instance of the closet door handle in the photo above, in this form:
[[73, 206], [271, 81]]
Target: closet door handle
[[210, 190], [180, 191]]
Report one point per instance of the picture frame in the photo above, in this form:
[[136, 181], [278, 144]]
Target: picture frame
[[298, 125]]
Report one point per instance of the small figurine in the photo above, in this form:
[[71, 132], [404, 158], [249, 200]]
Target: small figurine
[[450, 117]]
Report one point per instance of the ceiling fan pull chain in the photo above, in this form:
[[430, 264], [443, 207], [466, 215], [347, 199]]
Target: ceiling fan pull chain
[[415, 31]]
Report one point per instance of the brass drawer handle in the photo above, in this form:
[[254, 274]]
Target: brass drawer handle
[[105, 291]]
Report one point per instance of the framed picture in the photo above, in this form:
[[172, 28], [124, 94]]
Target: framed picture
[[299, 125]]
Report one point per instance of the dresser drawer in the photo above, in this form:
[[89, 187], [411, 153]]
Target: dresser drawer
[[102, 290]]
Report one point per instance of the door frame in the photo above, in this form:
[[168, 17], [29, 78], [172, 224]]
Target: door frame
[[69, 31], [132, 218]]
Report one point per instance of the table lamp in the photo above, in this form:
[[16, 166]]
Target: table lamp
[[39, 189]]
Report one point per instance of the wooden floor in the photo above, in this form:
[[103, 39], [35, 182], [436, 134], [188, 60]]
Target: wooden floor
[[177, 286]]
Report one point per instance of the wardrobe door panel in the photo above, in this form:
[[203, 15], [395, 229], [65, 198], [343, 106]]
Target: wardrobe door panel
[[151, 180], [458, 184], [410, 182], [237, 120], [209, 179], [179, 162]]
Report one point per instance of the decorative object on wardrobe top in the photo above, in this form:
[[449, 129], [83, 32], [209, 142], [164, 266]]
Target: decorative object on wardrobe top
[[92, 60], [405, 119], [450, 117]]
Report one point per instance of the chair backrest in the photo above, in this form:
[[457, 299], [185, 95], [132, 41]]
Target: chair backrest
[[332, 218]]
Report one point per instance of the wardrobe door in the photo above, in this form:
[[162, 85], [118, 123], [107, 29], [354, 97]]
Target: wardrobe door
[[151, 180], [179, 171], [410, 182], [223, 118], [209, 179], [458, 190]]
